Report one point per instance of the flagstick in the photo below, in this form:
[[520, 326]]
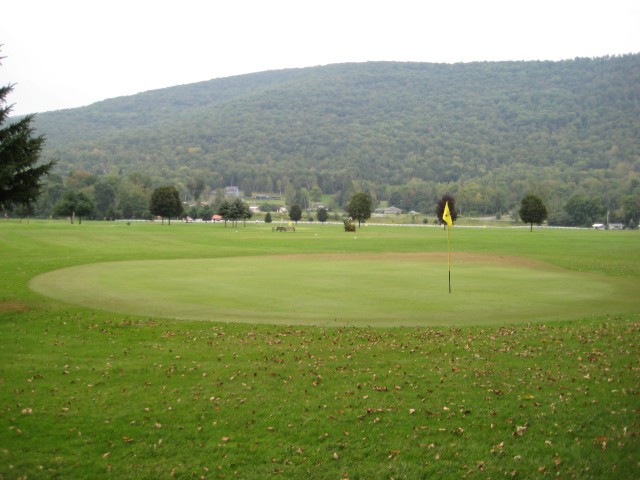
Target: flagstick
[[449, 254]]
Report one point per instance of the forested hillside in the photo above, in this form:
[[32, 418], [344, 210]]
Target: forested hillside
[[487, 132]]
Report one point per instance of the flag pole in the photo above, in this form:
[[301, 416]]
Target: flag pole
[[449, 254], [446, 218]]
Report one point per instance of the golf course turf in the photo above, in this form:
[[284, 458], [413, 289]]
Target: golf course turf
[[342, 289], [149, 351]]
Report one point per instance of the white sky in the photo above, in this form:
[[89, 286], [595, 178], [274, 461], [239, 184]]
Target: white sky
[[69, 53]]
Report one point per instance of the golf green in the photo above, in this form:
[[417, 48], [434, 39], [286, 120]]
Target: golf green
[[342, 289]]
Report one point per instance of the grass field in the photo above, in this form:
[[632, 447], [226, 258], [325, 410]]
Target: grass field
[[529, 369]]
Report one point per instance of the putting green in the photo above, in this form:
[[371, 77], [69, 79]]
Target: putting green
[[343, 289]]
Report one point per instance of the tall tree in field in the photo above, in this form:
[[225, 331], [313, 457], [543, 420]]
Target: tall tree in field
[[226, 211], [234, 211], [359, 207], [246, 213], [295, 213], [322, 215], [74, 204], [240, 211], [532, 210], [446, 199], [165, 202], [19, 153]]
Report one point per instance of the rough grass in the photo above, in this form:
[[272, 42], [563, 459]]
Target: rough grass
[[91, 394]]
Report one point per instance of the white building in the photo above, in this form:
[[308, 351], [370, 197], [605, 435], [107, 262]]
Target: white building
[[232, 192]]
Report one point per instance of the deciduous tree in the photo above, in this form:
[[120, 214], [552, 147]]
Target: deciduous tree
[[165, 202], [359, 207], [241, 211], [322, 215], [74, 204], [225, 211], [584, 211], [532, 210], [295, 213]]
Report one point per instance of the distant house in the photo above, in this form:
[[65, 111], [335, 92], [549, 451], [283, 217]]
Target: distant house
[[261, 197], [283, 210], [382, 211], [232, 192], [598, 226], [254, 208], [391, 211], [616, 226]]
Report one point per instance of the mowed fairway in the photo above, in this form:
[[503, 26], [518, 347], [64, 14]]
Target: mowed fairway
[[372, 289], [198, 351]]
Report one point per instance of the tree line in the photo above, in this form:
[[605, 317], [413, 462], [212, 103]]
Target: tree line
[[83, 195]]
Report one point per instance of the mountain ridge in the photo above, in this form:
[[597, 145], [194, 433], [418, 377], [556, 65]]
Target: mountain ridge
[[383, 123]]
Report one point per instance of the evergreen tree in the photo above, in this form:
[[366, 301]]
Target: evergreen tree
[[19, 153]]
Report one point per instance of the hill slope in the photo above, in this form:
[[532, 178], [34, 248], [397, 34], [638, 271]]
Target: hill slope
[[490, 124]]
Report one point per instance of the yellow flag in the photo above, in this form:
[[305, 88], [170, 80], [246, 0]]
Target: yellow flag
[[446, 215]]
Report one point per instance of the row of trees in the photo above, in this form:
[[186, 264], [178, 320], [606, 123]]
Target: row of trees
[[532, 209], [82, 195], [359, 209]]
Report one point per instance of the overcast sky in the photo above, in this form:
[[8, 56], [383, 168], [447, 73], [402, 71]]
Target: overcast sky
[[70, 53]]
